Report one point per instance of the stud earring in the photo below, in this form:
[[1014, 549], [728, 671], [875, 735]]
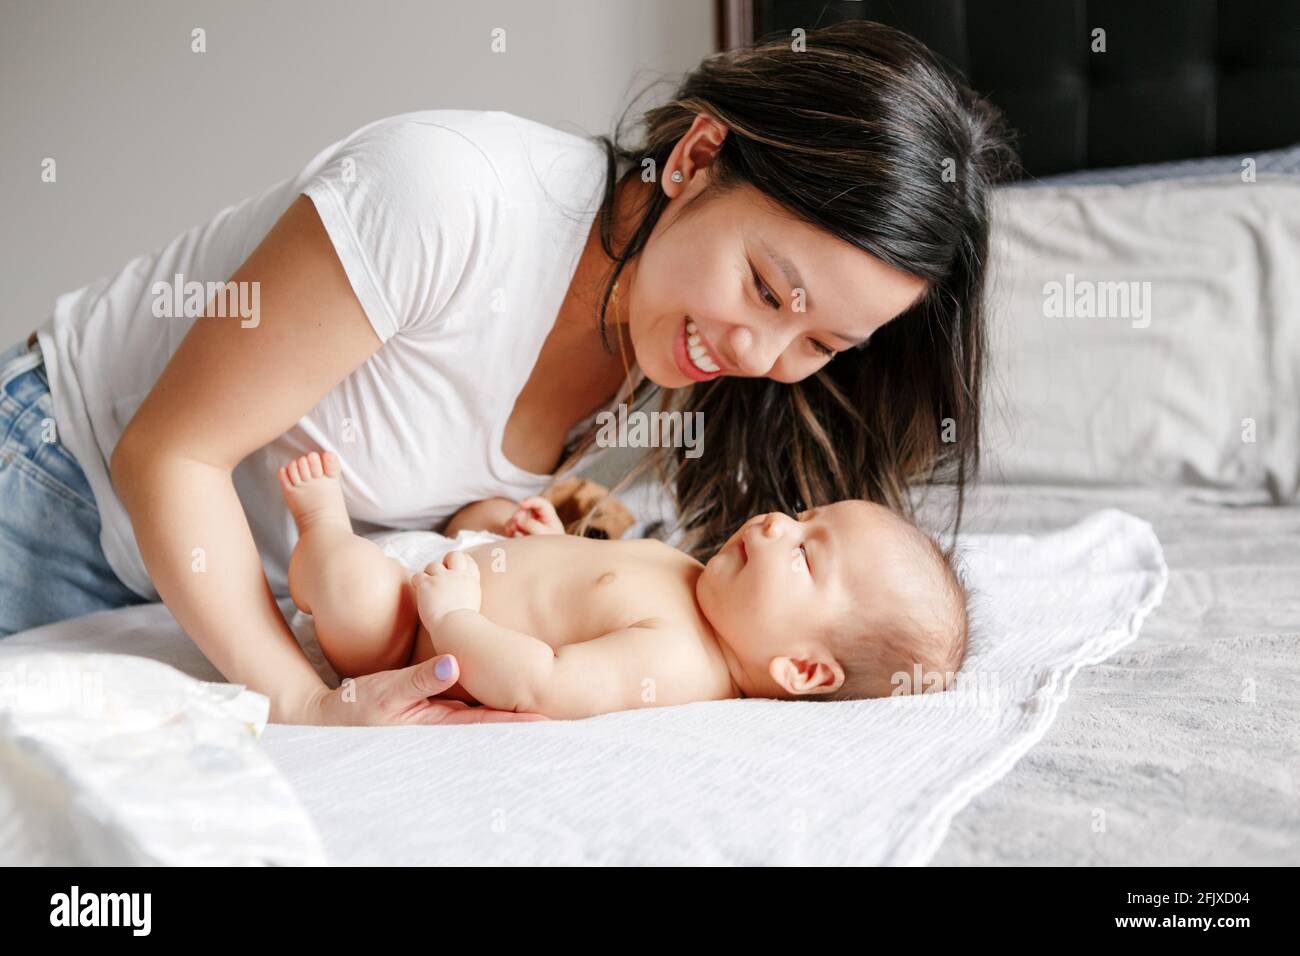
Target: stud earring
[[677, 176]]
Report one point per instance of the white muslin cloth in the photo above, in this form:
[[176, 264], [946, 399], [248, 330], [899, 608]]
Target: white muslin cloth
[[748, 781], [113, 760]]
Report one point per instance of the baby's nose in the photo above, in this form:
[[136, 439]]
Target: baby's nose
[[773, 524]]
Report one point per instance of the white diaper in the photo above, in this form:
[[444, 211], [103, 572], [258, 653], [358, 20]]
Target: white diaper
[[416, 549]]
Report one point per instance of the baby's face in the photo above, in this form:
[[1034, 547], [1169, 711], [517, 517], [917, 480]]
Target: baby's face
[[780, 585]]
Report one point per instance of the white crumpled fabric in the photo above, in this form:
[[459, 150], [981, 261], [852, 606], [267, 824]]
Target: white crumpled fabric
[[108, 759]]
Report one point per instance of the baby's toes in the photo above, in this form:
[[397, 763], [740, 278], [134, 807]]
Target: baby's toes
[[314, 465]]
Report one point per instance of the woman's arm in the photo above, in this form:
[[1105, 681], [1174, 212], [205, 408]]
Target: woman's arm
[[227, 391]]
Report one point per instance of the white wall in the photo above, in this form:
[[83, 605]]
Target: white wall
[[150, 138]]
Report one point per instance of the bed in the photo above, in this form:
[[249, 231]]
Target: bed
[[1185, 739]]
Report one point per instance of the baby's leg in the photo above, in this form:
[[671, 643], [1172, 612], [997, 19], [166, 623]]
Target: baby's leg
[[359, 598]]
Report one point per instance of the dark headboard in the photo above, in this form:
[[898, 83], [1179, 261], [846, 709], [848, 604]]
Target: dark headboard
[[1180, 79]]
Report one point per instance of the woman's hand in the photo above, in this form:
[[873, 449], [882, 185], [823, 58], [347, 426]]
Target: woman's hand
[[397, 697], [536, 515]]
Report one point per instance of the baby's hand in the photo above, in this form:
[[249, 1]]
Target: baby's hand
[[536, 515], [452, 585]]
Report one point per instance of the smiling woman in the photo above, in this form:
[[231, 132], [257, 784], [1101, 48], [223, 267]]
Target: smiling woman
[[812, 279]]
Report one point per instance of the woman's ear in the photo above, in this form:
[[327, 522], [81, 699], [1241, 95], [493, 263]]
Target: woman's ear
[[693, 155]]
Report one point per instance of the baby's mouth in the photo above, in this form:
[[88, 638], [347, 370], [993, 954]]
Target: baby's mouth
[[744, 555]]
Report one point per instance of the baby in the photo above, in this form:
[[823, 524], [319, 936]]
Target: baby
[[845, 601]]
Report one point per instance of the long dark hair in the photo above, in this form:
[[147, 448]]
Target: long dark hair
[[866, 135]]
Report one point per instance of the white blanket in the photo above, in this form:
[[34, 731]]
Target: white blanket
[[744, 781], [113, 760]]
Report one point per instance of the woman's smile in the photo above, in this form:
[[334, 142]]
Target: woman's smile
[[692, 354]]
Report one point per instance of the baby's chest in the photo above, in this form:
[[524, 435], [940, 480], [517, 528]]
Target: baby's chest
[[566, 598]]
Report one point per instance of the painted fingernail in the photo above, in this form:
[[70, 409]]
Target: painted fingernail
[[444, 668]]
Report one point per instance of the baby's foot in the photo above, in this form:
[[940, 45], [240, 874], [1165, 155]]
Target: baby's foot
[[312, 489]]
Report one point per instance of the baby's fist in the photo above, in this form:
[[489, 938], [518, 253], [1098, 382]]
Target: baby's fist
[[535, 515], [446, 586]]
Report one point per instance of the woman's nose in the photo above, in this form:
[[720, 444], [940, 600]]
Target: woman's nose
[[755, 354]]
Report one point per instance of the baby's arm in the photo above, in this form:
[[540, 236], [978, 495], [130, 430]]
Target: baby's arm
[[490, 514], [495, 662], [508, 670], [534, 515], [639, 666]]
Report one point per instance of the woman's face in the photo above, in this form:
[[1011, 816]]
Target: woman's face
[[736, 286]]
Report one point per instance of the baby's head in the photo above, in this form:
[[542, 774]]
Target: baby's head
[[833, 604]]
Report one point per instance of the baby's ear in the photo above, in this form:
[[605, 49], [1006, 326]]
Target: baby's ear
[[800, 676]]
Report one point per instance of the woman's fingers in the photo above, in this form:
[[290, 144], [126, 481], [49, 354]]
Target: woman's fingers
[[424, 679], [485, 715], [425, 682], [396, 697]]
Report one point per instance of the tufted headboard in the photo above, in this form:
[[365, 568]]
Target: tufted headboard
[[1179, 79]]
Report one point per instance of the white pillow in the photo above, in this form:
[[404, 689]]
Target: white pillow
[[1196, 381]]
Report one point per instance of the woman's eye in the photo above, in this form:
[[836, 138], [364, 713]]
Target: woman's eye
[[799, 559], [823, 349], [764, 292]]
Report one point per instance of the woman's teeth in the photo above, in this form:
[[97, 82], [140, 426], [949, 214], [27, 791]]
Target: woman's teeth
[[695, 349]]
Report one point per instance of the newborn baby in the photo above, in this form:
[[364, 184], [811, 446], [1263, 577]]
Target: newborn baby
[[845, 601]]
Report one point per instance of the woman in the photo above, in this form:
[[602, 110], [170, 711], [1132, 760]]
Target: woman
[[796, 250]]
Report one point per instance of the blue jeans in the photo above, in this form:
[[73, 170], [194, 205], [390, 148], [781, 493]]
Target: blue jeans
[[51, 564]]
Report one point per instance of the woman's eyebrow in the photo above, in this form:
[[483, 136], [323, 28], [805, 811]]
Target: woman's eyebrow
[[787, 267]]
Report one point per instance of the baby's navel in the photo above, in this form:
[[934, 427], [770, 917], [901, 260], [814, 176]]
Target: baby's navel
[[606, 578]]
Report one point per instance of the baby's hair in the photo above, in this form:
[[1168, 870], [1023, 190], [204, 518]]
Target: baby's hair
[[890, 659]]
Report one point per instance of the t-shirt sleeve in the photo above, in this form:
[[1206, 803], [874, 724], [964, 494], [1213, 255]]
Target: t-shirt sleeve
[[405, 203]]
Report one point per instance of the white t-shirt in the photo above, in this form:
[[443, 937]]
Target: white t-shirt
[[459, 231]]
